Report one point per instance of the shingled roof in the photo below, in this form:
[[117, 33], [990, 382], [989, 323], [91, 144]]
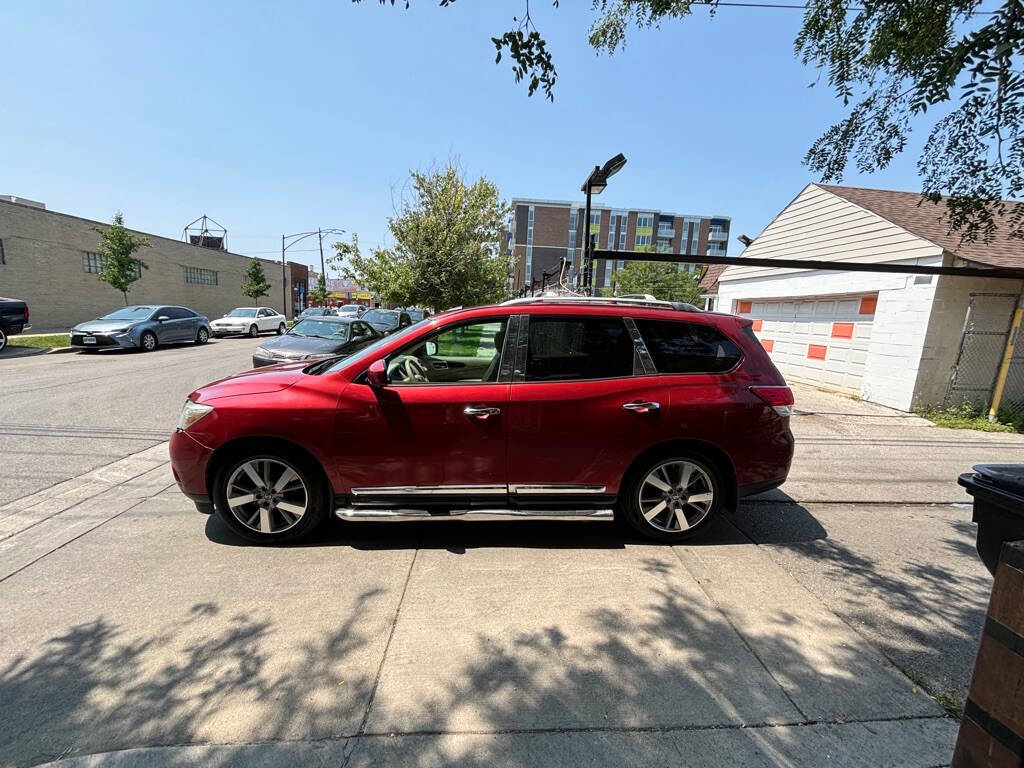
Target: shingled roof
[[709, 280], [928, 220]]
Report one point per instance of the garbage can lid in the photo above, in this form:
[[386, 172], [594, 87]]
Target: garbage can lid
[[1009, 477]]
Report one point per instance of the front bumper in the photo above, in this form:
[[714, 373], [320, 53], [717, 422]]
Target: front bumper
[[121, 340], [224, 330], [189, 461]]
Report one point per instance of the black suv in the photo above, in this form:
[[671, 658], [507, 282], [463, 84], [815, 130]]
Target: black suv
[[13, 319]]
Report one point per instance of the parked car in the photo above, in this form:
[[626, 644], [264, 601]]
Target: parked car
[[351, 309], [317, 312], [142, 327], [387, 320], [417, 314], [251, 321], [13, 319], [659, 417], [316, 338]]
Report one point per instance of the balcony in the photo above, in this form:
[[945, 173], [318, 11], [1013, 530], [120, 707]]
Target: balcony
[[669, 233], [715, 233]]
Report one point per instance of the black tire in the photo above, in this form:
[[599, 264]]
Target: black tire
[[202, 336], [704, 478], [3, 339], [281, 329], [317, 496], [253, 331], [148, 341]]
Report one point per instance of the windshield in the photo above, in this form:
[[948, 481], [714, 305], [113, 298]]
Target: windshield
[[416, 315], [370, 352], [320, 329], [241, 313], [130, 313], [381, 316], [350, 308]]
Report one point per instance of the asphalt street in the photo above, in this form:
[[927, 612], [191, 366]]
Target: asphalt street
[[65, 414], [816, 626]]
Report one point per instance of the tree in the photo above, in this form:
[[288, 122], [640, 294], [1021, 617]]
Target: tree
[[888, 62], [320, 294], [663, 281], [446, 252], [254, 282], [118, 267]]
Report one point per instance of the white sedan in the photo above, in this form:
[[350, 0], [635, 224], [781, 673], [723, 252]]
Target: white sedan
[[251, 321]]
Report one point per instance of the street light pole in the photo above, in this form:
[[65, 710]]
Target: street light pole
[[587, 264], [284, 281], [297, 237], [320, 237], [595, 184]]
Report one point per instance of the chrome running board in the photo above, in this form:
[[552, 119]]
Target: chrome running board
[[364, 513]]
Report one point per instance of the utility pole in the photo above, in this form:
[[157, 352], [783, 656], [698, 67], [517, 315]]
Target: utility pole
[[284, 281]]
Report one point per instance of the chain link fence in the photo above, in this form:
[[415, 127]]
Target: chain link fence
[[987, 326]]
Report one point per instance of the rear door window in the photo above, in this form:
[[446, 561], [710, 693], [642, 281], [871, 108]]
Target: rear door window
[[577, 348], [678, 347]]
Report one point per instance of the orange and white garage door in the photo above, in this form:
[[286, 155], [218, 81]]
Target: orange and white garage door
[[816, 339]]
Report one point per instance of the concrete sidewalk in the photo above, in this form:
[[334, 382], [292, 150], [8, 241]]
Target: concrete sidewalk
[[131, 623]]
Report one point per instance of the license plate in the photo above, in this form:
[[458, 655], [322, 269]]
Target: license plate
[[89, 340]]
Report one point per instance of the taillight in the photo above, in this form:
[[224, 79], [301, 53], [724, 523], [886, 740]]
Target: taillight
[[779, 398], [26, 315]]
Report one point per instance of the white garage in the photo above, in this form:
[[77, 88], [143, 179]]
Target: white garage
[[823, 340], [900, 340]]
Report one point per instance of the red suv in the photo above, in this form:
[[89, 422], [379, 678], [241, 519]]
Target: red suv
[[534, 408]]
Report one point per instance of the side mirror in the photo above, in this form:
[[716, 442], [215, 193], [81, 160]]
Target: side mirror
[[377, 374], [162, 318], [431, 348]]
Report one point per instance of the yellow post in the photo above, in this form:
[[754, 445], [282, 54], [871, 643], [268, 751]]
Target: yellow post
[[1004, 369]]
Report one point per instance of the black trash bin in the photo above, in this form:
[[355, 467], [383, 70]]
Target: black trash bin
[[998, 491]]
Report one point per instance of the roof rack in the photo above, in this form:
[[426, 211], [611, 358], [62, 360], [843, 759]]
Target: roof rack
[[631, 299]]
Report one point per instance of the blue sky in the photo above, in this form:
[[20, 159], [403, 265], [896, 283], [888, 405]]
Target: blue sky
[[281, 117]]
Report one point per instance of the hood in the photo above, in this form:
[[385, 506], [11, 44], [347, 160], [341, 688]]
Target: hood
[[259, 381], [105, 326], [303, 345]]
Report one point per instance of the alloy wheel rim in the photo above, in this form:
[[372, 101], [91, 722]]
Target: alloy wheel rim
[[267, 495], [676, 495], [203, 335], [148, 342]]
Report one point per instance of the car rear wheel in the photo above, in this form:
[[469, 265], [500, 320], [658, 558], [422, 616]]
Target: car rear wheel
[[202, 336], [270, 497], [671, 498], [3, 339], [253, 331], [147, 341], [281, 329]]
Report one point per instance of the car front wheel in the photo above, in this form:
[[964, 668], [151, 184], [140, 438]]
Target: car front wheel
[[281, 329], [671, 498], [148, 341], [270, 497], [253, 331], [202, 336]]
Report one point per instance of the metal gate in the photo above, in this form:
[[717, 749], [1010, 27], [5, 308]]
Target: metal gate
[[982, 344], [1011, 407]]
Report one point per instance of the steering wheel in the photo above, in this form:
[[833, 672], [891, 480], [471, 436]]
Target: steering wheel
[[407, 369]]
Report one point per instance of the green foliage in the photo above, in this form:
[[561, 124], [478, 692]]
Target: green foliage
[[965, 415], [50, 341], [663, 281], [118, 267], [319, 294], [254, 282], [888, 61], [446, 246]]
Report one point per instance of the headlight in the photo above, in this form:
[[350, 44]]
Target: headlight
[[191, 413], [121, 330], [263, 351]]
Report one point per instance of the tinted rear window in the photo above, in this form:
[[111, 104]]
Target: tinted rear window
[[688, 347], [563, 349]]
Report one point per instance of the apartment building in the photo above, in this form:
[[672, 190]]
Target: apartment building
[[541, 232]]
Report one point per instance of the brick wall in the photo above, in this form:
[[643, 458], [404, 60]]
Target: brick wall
[[43, 255]]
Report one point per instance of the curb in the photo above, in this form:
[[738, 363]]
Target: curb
[[61, 350]]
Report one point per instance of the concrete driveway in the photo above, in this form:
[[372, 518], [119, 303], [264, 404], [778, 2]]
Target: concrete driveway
[[805, 630]]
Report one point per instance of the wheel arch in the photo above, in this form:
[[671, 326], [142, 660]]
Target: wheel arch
[[697, 448], [241, 445]]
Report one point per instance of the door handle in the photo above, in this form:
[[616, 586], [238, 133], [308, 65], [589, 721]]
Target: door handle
[[439, 364], [641, 406], [481, 413]]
